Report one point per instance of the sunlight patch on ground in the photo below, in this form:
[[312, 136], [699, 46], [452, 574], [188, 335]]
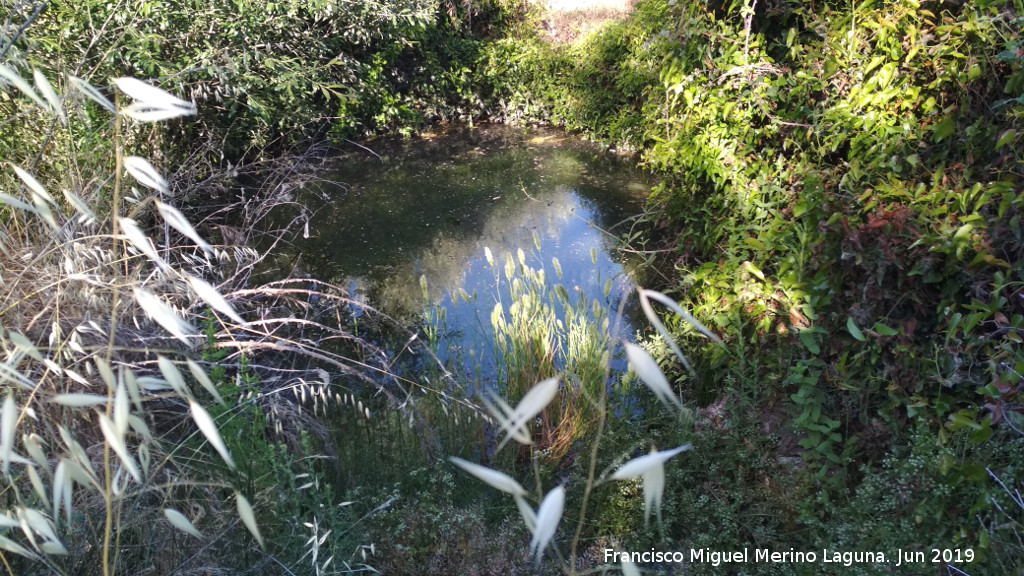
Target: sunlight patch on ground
[[570, 20]]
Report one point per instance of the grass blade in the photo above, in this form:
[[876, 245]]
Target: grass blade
[[209, 429], [491, 477], [163, 315], [651, 375], [178, 221], [248, 517], [548, 516], [211, 296], [145, 173], [181, 522]]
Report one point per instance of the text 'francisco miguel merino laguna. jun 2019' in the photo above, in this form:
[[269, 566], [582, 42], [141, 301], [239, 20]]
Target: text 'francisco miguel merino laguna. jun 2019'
[[899, 557]]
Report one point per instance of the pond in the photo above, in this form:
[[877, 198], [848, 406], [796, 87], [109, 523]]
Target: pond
[[405, 226]]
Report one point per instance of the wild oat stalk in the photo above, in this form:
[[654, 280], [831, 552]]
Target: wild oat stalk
[[72, 348]]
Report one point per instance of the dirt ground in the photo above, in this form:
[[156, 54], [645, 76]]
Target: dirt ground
[[569, 20]]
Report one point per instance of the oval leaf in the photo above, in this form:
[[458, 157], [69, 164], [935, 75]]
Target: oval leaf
[[854, 330]]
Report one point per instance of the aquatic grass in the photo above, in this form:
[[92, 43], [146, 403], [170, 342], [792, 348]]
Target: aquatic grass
[[543, 523], [539, 332]]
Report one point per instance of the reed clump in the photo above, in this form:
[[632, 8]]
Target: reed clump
[[541, 331]]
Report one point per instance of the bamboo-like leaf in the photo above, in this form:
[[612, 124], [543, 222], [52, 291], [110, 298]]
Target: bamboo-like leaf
[[163, 315], [204, 381], [121, 409], [248, 517], [145, 173], [131, 231], [652, 469], [79, 468], [79, 400], [515, 422], [116, 442], [638, 466], [211, 296], [20, 83], [178, 221], [38, 523], [25, 345], [652, 317], [8, 522], [91, 91], [60, 478], [8, 424], [134, 392], [105, 373], [152, 104], [209, 429], [548, 516], [654, 487], [33, 184], [34, 445], [19, 204], [12, 546], [173, 376], [651, 375], [53, 549], [675, 307], [854, 330], [491, 477], [144, 113], [534, 401], [37, 485], [86, 215], [529, 516], [181, 522], [51, 95]]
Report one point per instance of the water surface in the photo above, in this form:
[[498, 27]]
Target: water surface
[[429, 207]]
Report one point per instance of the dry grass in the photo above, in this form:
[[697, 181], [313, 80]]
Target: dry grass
[[103, 297]]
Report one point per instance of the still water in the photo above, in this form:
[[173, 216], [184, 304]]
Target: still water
[[428, 208]]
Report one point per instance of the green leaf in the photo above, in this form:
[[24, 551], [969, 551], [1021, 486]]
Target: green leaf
[[807, 337], [944, 129], [1006, 138], [884, 330], [854, 330]]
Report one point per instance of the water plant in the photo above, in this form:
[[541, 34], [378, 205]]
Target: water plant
[[515, 422]]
